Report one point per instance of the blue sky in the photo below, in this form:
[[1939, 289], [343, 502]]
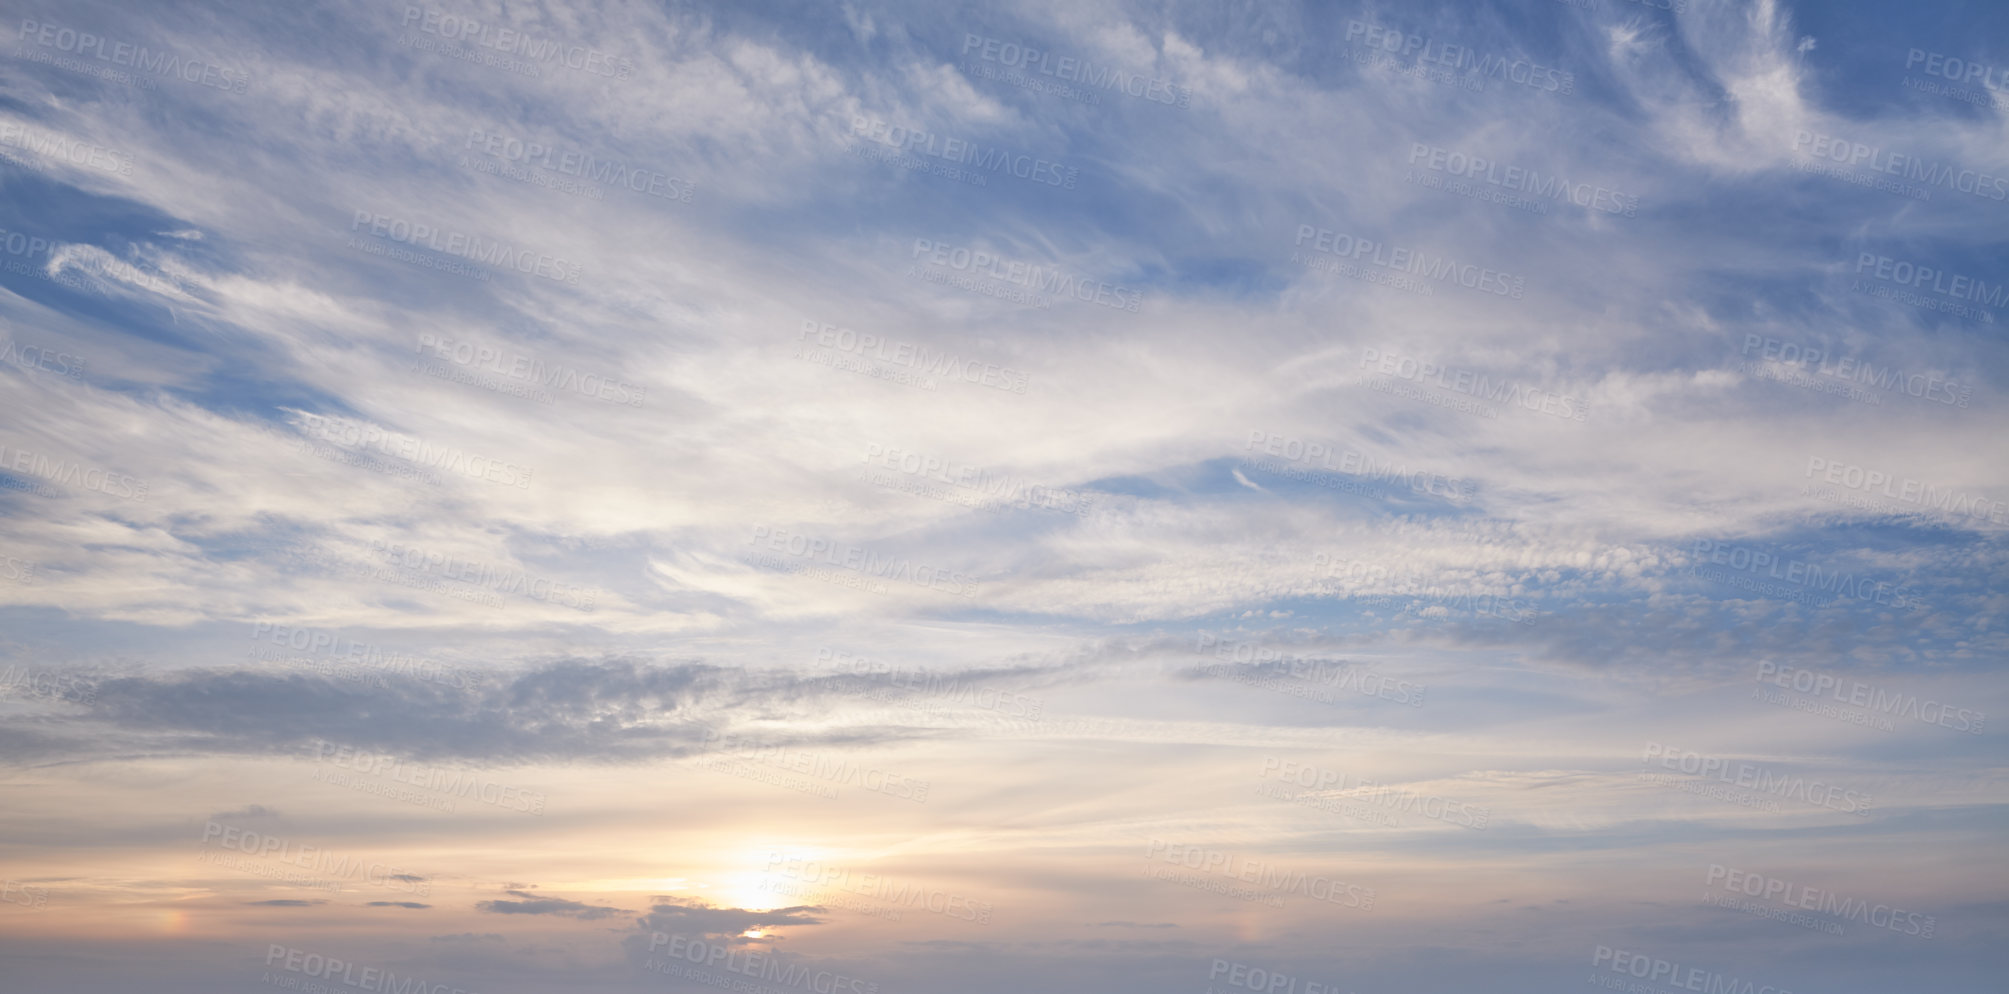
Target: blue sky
[[1395, 498]]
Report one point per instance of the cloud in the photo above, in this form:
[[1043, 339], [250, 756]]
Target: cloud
[[610, 711], [535, 905], [573, 710], [697, 918]]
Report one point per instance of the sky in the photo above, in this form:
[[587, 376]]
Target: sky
[[911, 498]]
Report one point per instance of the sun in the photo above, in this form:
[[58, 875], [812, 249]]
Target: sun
[[774, 878], [749, 891]]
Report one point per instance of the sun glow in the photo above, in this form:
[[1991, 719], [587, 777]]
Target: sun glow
[[746, 890]]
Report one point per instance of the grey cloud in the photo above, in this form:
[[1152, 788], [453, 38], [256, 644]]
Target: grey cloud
[[693, 917], [605, 711], [533, 904]]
